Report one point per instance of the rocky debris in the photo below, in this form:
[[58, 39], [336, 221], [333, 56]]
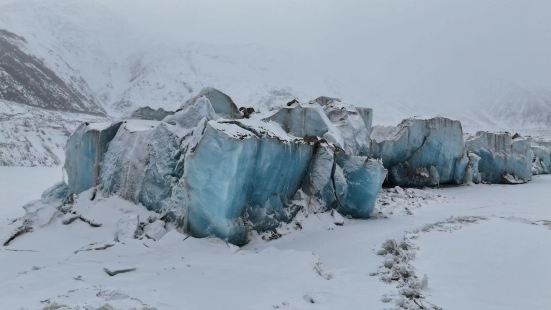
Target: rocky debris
[[114, 272], [147, 113]]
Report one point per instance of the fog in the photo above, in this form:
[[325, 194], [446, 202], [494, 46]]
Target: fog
[[431, 52], [428, 55]]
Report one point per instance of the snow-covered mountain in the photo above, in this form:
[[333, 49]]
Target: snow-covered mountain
[[32, 136], [25, 79]]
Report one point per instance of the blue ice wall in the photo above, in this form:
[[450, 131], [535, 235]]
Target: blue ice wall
[[235, 176], [502, 158], [422, 152], [84, 154], [363, 177]]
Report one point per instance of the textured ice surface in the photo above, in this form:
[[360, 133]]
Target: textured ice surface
[[344, 182], [319, 183], [303, 119], [502, 158], [235, 176], [363, 179], [84, 153], [141, 164], [59, 191], [422, 152], [344, 125], [353, 124], [222, 104]]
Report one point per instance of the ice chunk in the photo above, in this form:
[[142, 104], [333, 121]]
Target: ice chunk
[[541, 163], [344, 182], [319, 183], [472, 173], [57, 192], [84, 153], [303, 119], [192, 113], [141, 164], [422, 152], [352, 123], [502, 158], [363, 177], [234, 175], [222, 104], [343, 125]]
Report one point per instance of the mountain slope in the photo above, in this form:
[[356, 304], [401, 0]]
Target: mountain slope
[[25, 79], [32, 136]]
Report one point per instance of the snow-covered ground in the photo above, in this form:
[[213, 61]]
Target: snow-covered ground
[[20, 185], [32, 136], [480, 247]]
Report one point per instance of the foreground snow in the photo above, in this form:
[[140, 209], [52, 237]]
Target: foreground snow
[[469, 264]]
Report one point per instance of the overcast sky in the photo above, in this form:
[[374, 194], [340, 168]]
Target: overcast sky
[[421, 52], [426, 48]]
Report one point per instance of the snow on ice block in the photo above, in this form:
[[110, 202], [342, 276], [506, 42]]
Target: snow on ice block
[[502, 158], [236, 175], [344, 125], [84, 153], [362, 178], [422, 152], [303, 119], [352, 123], [141, 164]]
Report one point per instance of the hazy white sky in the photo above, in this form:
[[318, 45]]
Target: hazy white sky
[[425, 47], [420, 52]]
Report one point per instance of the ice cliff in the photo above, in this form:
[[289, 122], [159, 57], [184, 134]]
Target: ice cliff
[[503, 158], [215, 170], [216, 173], [423, 152]]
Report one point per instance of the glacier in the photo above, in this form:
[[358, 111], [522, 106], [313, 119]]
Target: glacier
[[216, 172], [503, 158], [213, 171]]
